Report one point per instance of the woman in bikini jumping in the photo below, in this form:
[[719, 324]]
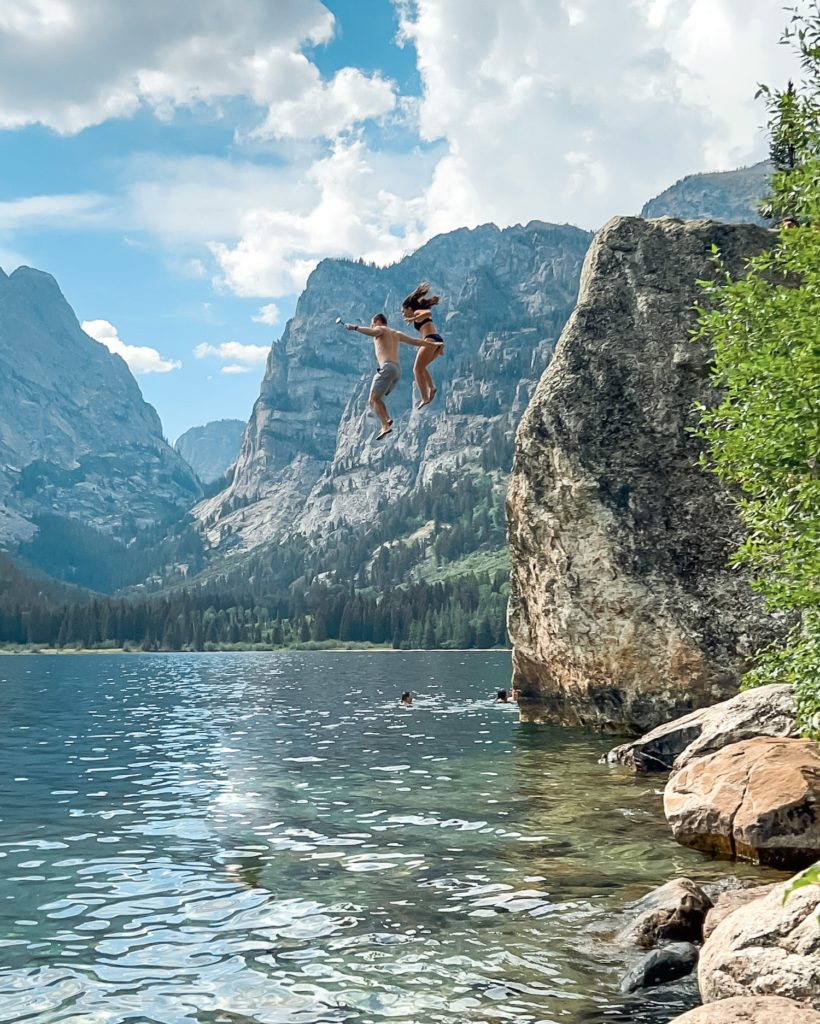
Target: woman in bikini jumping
[[416, 311]]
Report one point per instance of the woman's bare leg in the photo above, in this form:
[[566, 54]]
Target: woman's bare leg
[[429, 388], [421, 376]]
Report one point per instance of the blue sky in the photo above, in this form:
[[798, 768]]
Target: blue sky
[[180, 168]]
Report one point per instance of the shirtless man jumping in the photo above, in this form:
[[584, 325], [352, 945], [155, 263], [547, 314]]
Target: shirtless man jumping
[[386, 343]]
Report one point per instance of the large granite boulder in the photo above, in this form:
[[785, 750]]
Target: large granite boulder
[[756, 800], [765, 711], [623, 612], [673, 912], [751, 1010], [769, 947]]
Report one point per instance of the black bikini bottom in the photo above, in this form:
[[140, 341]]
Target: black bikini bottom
[[433, 337]]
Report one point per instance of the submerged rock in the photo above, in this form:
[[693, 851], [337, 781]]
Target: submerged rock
[[623, 611], [673, 912], [751, 1010], [769, 947], [765, 711], [667, 963], [756, 800]]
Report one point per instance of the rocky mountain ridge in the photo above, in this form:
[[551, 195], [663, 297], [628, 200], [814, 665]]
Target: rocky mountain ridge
[[729, 196], [309, 464], [80, 450], [211, 450]]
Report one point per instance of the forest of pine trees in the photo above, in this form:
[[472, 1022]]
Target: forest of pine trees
[[356, 587]]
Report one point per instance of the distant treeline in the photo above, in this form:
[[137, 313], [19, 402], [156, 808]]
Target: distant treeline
[[402, 581], [467, 611]]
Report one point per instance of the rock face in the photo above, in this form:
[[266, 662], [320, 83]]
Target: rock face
[[623, 612], [730, 901], [308, 463], [673, 913], [756, 800], [767, 948], [765, 711], [212, 449], [77, 441], [730, 196], [751, 1010]]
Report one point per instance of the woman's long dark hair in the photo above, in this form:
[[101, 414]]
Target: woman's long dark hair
[[419, 299]]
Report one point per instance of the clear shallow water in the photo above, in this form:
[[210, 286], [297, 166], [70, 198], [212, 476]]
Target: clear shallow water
[[228, 839]]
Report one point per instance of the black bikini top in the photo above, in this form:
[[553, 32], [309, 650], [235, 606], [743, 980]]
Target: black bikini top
[[418, 324]]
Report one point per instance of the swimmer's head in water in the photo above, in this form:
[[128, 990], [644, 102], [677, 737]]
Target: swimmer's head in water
[[407, 697], [501, 696], [379, 320]]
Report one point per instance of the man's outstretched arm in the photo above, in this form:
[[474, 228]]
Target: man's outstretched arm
[[371, 332]]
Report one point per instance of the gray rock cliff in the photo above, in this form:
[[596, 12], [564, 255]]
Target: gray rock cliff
[[77, 440], [308, 462], [623, 612], [211, 450]]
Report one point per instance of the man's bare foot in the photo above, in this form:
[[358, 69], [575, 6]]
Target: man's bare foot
[[382, 434], [427, 401]]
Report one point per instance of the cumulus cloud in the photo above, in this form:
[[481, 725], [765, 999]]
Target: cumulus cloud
[[575, 111], [240, 358], [70, 64], [268, 314], [350, 207], [563, 110], [140, 358]]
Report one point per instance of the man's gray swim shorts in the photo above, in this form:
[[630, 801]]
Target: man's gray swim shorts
[[385, 379]]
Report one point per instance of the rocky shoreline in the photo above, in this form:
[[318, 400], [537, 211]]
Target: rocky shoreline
[[744, 786]]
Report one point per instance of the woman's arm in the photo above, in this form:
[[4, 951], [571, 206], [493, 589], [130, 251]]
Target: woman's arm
[[417, 342]]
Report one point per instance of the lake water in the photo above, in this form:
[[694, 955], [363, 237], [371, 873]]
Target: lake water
[[238, 838]]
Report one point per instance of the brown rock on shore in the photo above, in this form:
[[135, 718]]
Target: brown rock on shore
[[764, 711], [730, 901], [769, 947], [742, 1010], [756, 800]]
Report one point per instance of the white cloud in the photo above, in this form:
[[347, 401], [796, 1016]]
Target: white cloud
[[234, 368], [70, 64], [328, 108], [575, 111], [140, 358], [350, 206], [57, 211], [568, 110], [245, 356], [268, 314]]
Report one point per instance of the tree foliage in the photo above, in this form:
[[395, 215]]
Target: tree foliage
[[764, 435]]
